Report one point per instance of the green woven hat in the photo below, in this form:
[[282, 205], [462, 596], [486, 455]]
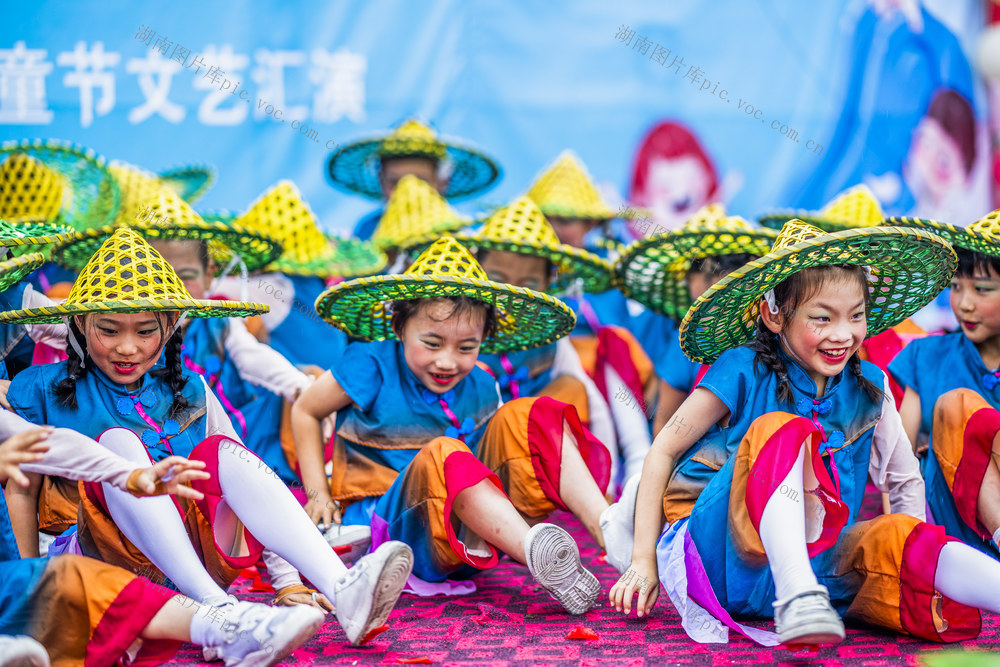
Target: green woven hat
[[908, 268], [165, 216], [127, 275], [28, 238], [526, 318], [982, 236], [854, 207], [12, 271], [356, 166], [190, 181], [653, 271], [521, 228], [57, 182]]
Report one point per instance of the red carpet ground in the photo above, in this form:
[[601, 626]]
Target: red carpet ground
[[511, 621]]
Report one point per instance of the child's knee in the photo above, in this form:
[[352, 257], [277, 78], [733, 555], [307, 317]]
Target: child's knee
[[122, 442]]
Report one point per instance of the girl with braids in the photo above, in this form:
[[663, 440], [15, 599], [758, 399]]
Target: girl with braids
[[124, 310], [950, 406], [759, 477]]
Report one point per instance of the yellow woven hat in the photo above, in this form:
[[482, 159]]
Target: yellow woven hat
[[356, 166], [565, 190], [12, 271], [56, 182], [414, 213], [526, 318], [908, 267], [127, 275], [982, 236], [521, 227], [138, 186], [854, 207], [160, 214], [283, 214], [653, 271]]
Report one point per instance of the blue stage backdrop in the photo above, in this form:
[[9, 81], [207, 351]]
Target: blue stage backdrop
[[756, 104]]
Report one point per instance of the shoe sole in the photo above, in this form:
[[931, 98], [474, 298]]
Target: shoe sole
[[561, 573], [388, 588], [297, 629], [813, 635]]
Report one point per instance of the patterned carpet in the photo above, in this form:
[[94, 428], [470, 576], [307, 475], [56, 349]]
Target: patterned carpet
[[510, 621]]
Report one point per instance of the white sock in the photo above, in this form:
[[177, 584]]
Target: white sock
[[996, 537], [269, 510], [783, 534], [154, 526], [968, 576], [207, 627], [631, 426]]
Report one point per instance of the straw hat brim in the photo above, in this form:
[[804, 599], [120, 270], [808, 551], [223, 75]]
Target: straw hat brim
[[777, 221], [653, 271], [961, 237], [95, 194], [526, 318], [37, 236], [909, 267], [224, 239], [12, 271], [355, 167], [347, 258], [573, 263], [194, 308], [189, 181]]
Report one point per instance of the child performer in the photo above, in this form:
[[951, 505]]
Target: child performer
[[666, 273], [309, 259], [123, 312], [425, 453], [518, 246], [951, 398], [374, 167], [761, 489]]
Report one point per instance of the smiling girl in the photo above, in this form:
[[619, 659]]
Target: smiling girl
[[123, 313], [425, 453], [762, 488], [951, 398]]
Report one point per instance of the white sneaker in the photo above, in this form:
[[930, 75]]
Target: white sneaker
[[808, 619], [554, 561], [349, 542], [365, 596], [255, 635], [618, 527], [22, 651], [211, 653]]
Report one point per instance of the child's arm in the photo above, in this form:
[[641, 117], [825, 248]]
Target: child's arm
[[262, 365], [693, 419], [893, 467], [324, 397], [910, 414]]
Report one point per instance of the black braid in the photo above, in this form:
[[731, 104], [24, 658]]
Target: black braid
[[75, 369], [172, 373], [873, 390], [766, 346]]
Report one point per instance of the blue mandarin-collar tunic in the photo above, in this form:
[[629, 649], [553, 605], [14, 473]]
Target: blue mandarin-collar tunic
[[530, 369], [848, 417], [395, 414], [303, 337], [101, 405]]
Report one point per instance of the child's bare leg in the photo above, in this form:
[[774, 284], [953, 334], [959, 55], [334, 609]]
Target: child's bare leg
[[578, 490], [173, 621], [486, 511], [988, 502]]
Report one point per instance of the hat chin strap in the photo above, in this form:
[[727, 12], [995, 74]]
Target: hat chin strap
[[244, 277], [177, 324]]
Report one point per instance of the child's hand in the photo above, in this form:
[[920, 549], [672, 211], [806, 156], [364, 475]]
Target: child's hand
[[25, 447], [306, 597], [322, 510], [171, 476], [641, 578]]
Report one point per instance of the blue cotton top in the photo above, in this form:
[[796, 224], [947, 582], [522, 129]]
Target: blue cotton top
[[674, 367], [394, 414], [935, 365], [102, 404], [303, 337], [532, 370]]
